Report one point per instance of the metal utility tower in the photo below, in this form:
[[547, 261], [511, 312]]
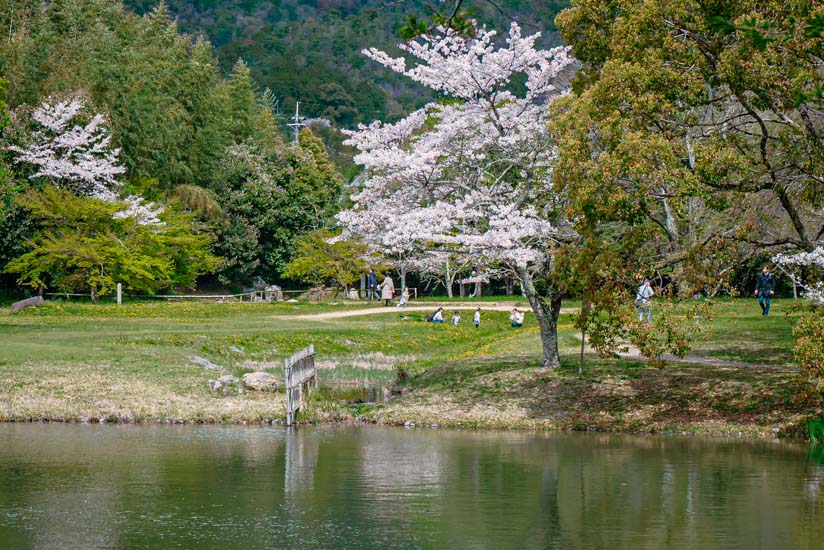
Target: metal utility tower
[[298, 121]]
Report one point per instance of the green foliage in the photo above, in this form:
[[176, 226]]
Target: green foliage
[[81, 247], [672, 331], [274, 193], [4, 115], [14, 225], [808, 334], [613, 325], [169, 108], [815, 427], [280, 40], [681, 113], [318, 261]]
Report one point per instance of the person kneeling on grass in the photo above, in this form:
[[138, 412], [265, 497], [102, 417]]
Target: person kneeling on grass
[[517, 318], [436, 317]]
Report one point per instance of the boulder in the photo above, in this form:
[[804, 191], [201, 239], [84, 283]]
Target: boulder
[[28, 302], [273, 292], [316, 294], [225, 384], [259, 381]]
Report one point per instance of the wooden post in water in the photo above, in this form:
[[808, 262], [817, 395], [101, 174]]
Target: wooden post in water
[[298, 370]]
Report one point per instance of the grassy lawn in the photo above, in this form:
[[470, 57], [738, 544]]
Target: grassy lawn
[[739, 332], [134, 363]]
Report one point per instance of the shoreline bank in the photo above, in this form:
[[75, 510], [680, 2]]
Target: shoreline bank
[[602, 403]]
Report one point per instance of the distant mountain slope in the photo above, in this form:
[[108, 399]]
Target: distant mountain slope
[[309, 50]]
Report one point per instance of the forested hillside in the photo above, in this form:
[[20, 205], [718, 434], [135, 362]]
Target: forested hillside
[[144, 142], [102, 110], [309, 50]]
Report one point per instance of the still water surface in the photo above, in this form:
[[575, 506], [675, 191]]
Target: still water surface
[[89, 486]]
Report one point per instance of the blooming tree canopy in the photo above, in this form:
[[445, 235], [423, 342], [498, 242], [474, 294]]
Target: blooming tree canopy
[[813, 292], [79, 157], [470, 174]]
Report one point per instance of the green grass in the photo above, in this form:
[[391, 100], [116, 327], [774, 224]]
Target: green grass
[[62, 360], [738, 332], [133, 363]]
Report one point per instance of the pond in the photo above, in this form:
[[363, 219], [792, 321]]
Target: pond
[[126, 486]]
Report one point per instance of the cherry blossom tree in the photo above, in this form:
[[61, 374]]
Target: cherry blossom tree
[[78, 157], [814, 292], [808, 330], [471, 174]]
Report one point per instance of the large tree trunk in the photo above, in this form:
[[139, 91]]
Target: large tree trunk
[[448, 280], [510, 285], [546, 315]]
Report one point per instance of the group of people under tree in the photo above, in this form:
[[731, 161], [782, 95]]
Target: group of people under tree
[[437, 317], [764, 290], [387, 289]]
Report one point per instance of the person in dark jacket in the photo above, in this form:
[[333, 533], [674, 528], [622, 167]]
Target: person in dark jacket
[[764, 286], [372, 285]]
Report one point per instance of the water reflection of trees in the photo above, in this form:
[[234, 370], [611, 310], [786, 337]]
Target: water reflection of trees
[[603, 490], [167, 486]]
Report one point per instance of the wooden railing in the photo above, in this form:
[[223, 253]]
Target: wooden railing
[[299, 371]]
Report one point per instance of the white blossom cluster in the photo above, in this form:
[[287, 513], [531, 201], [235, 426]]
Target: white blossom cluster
[[144, 214], [79, 157], [816, 257], [813, 292], [465, 175]]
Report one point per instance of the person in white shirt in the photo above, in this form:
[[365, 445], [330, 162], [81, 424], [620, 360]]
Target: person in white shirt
[[404, 298], [456, 318], [642, 301], [476, 319], [517, 318]]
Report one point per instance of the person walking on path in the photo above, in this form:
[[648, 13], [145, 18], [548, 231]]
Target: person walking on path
[[387, 290], [517, 318], [476, 319], [764, 286], [371, 286], [643, 301]]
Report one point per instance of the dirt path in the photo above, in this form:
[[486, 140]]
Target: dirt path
[[429, 307]]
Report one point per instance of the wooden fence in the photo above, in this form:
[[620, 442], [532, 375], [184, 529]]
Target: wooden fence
[[300, 371]]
